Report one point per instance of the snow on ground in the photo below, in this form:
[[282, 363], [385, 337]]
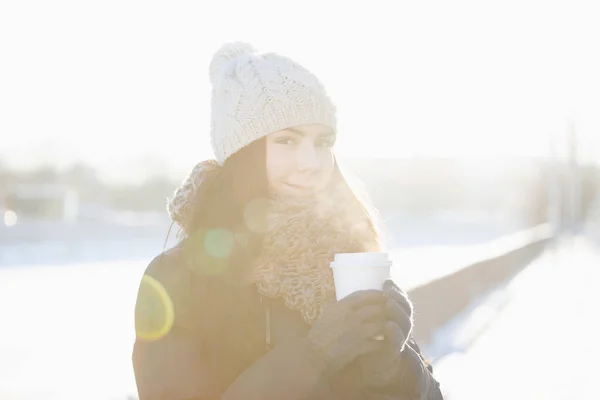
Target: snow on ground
[[543, 342], [67, 330]]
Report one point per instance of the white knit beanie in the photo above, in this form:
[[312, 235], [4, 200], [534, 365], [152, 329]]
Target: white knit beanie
[[256, 94]]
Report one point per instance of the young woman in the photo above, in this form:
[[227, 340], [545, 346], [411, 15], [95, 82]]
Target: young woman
[[244, 306]]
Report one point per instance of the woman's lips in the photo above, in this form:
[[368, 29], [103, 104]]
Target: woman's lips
[[300, 187]]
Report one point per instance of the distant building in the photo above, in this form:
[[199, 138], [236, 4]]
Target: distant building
[[43, 202]]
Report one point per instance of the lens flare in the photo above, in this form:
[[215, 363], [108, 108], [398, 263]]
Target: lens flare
[[219, 243], [155, 313], [10, 218], [255, 215]]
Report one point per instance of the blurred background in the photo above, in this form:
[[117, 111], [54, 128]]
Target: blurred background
[[471, 125]]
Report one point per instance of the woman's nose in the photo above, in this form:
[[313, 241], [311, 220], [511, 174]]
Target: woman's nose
[[307, 159]]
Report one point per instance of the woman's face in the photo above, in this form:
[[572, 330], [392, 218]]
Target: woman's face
[[300, 160]]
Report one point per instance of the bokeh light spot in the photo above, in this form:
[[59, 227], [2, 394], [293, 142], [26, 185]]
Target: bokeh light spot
[[10, 218], [155, 313], [255, 215], [219, 243]]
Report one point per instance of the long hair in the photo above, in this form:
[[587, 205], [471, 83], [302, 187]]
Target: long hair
[[222, 248]]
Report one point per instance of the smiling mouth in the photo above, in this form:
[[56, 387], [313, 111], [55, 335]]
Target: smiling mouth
[[298, 187]]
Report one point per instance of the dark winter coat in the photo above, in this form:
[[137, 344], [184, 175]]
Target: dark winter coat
[[219, 332]]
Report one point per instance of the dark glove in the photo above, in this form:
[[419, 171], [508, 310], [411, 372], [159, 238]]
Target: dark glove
[[346, 329], [413, 379], [380, 366]]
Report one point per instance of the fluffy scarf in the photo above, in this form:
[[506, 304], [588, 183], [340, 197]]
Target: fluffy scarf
[[301, 240]]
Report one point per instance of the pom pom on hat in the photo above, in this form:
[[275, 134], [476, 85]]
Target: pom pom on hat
[[226, 56]]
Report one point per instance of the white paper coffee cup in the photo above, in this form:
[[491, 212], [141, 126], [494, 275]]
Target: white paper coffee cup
[[359, 271]]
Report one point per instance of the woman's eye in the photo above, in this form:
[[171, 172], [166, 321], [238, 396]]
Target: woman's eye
[[287, 141], [326, 142]]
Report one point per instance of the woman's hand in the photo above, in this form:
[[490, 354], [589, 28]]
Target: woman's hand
[[380, 366], [346, 329]]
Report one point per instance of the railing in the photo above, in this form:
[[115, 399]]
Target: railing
[[440, 299]]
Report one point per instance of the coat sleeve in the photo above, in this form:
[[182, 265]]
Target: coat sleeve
[[166, 356]]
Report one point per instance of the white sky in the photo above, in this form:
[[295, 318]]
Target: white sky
[[125, 80]]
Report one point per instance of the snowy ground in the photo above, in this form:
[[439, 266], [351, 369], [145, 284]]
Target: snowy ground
[[67, 331], [66, 308], [542, 339]]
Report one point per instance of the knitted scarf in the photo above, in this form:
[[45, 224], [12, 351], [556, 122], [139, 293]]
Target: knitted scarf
[[302, 237]]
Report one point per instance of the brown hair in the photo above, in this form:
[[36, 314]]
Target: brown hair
[[213, 232]]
